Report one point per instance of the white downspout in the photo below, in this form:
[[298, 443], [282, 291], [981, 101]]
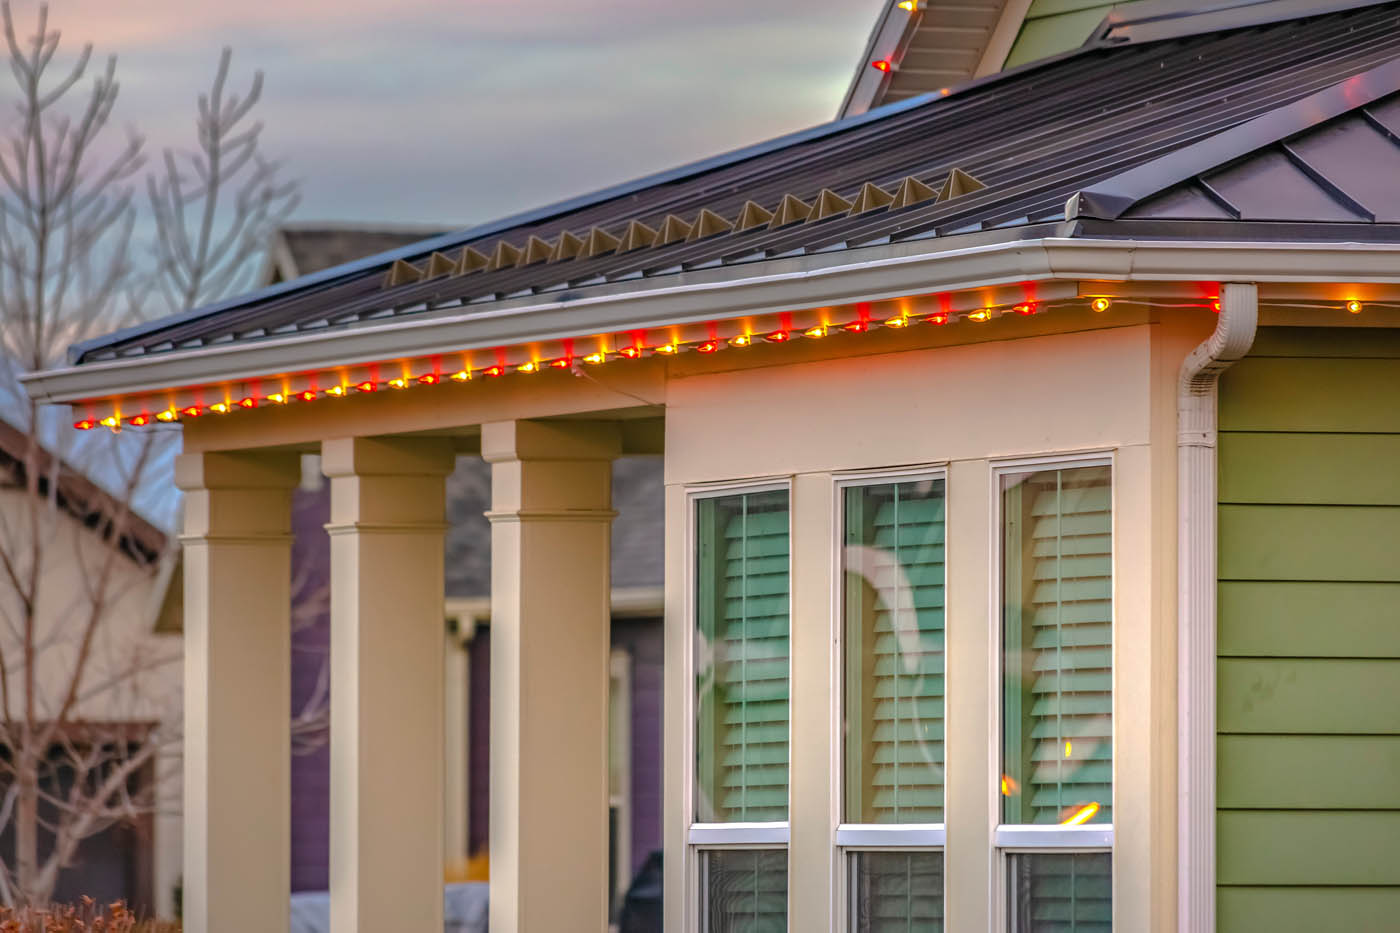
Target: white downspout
[[1196, 584]]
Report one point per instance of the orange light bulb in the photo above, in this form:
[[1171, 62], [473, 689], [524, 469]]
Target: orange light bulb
[[1101, 304], [461, 376], [528, 368], [668, 349], [111, 421], [169, 414], [400, 383], [336, 391], [277, 398], [743, 340], [1354, 306], [818, 331]]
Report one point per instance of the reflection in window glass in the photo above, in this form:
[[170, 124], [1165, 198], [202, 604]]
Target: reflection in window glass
[[745, 891], [741, 658], [1060, 893], [897, 892], [893, 619], [1058, 610]]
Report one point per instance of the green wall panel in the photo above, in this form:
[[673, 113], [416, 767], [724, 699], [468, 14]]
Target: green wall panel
[[1267, 542], [1302, 620], [1308, 669], [1308, 469], [1308, 695], [1290, 847], [1378, 342], [1337, 395], [1308, 772], [1308, 910], [1052, 35]]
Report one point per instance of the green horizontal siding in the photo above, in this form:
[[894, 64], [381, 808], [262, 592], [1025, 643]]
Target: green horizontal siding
[[1309, 847], [1294, 772], [1310, 394], [1308, 674], [1308, 909], [1309, 469], [1310, 542], [1280, 619], [1329, 696]]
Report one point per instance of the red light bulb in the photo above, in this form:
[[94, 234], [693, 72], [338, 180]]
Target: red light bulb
[[709, 346], [493, 370], [191, 412], [87, 424], [428, 379], [564, 362], [881, 64], [940, 318], [308, 396], [249, 402], [778, 336], [630, 352], [856, 327]]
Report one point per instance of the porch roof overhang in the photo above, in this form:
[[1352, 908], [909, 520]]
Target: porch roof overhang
[[1172, 176], [1080, 266]]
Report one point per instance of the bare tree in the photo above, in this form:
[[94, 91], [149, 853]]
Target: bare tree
[[90, 700]]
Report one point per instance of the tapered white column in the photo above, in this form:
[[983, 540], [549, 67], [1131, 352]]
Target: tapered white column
[[551, 515], [237, 749], [386, 527]]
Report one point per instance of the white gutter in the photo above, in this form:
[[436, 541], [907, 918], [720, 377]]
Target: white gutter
[[1197, 412], [823, 279]]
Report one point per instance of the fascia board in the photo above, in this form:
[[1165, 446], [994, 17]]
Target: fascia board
[[885, 272]]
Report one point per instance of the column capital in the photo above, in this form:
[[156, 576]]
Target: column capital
[[237, 469], [386, 456], [503, 441]]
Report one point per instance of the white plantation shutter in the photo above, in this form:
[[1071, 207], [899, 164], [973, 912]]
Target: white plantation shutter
[[1059, 606], [894, 622], [742, 610]]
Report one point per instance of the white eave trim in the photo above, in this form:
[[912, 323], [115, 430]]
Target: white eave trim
[[890, 271]]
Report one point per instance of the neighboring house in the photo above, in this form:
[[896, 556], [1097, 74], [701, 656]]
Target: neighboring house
[[134, 672], [635, 665], [990, 603]]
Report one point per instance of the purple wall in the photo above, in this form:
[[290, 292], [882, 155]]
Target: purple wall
[[311, 772], [643, 640]]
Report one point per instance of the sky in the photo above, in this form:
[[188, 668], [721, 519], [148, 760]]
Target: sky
[[452, 113]]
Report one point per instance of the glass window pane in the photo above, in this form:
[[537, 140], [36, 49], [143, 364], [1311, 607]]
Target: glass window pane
[[1057, 626], [741, 658], [897, 892], [1060, 893], [745, 891], [893, 620]]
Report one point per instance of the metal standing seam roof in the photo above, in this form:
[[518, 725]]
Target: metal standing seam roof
[[1032, 138]]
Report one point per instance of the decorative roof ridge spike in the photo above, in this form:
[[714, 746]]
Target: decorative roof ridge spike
[[439, 265], [598, 243], [673, 230], [636, 236], [872, 197], [473, 260], [911, 191], [828, 204], [707, 224], [958, 184], [536, 250], [402, 273], [791, 210], [751, 215], [505, 254], [568, 247]]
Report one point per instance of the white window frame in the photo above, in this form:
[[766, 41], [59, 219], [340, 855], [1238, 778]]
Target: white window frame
[[848, 839], [1008, 840], [702, 837]]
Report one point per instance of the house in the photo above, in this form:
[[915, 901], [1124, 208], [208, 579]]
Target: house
[[1029, 521], [85, 543]]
